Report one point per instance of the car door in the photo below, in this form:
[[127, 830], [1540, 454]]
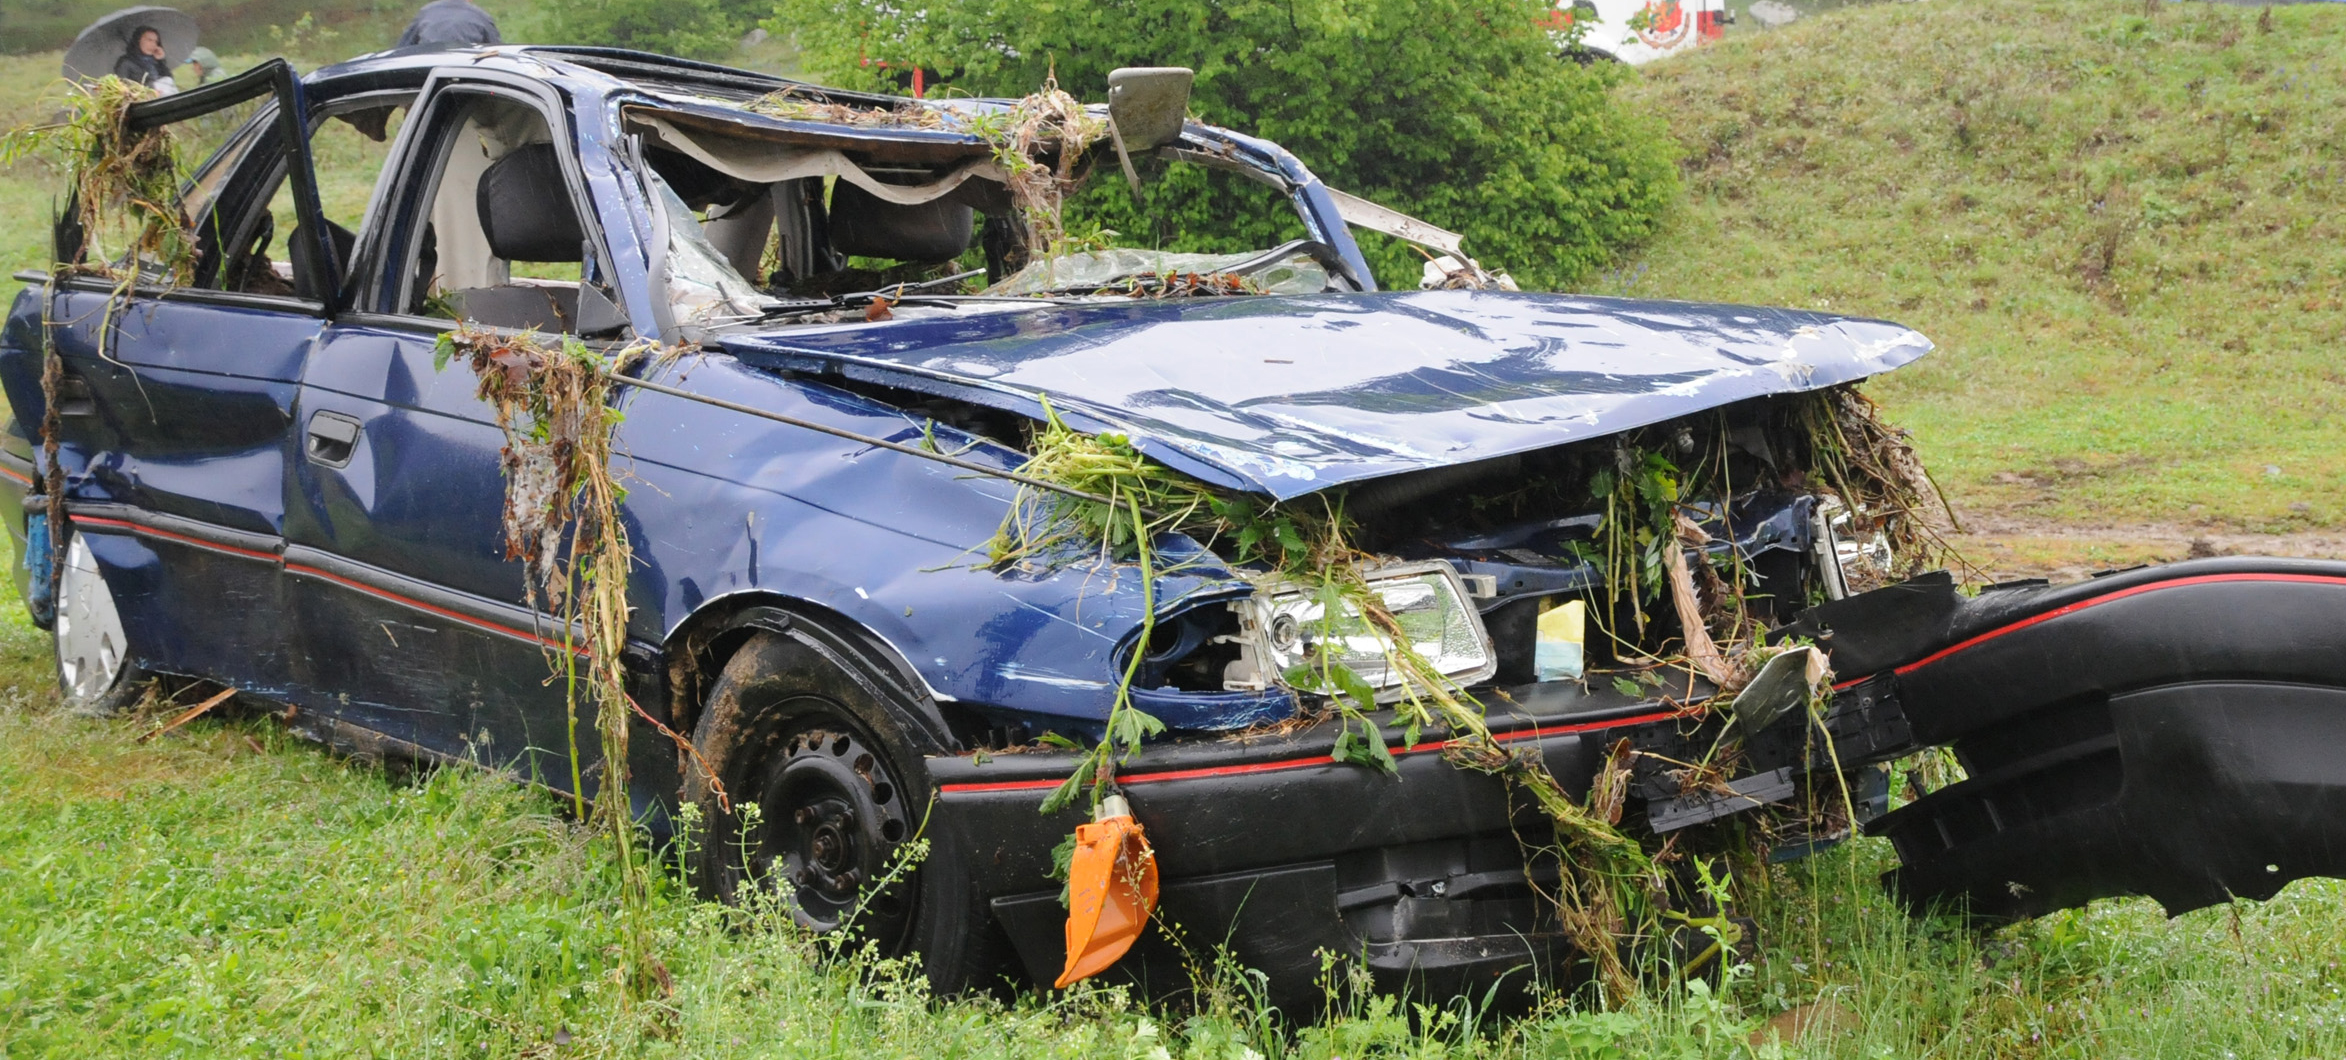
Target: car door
[[395, 548], [177, 391]]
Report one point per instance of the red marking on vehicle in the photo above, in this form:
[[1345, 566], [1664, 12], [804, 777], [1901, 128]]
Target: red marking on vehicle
[[1313, 761], [1666, 25], [2067, 609], [299, 568], [409, 601], [17, 475], [148, 531]]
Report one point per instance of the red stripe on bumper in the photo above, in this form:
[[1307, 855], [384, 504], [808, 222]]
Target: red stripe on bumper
[[2138, 590], [1312, 761]]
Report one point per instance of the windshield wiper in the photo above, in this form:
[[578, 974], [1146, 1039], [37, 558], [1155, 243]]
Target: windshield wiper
[[784, 307], [901, 289]]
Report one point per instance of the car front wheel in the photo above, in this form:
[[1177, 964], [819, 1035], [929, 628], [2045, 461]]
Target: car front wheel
[[797, 726], [94, 671]]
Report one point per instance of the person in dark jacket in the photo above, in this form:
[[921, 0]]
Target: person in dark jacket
[[143, 61], [450, 24]]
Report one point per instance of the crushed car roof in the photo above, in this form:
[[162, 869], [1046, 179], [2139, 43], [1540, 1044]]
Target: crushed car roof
[[1289, 395]]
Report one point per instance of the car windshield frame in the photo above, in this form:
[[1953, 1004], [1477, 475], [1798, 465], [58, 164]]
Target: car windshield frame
[[726, 134]]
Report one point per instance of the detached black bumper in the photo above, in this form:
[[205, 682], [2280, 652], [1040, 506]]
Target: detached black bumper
[[1267, 846], [2176, 731]]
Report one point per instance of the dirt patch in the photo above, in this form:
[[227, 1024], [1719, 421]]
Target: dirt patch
[[2009, 547], [1821, 1020]]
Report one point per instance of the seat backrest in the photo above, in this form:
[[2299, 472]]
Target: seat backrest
[[865, 224], [301, 248], [526, 209]]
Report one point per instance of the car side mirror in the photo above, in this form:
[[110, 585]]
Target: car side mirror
[[1148, 104]]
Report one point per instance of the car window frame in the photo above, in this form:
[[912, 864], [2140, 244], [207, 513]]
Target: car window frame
[[273, 78], [392, 234], [273, 173]]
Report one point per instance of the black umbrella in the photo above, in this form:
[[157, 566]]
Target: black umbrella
[[93, 53]]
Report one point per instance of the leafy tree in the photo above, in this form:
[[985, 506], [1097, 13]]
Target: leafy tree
[[1461, 112], [698, 29]]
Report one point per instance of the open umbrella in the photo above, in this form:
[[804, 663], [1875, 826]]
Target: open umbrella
[[93, 53]]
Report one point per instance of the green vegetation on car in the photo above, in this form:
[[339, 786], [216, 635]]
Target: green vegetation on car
[[2121, 224]]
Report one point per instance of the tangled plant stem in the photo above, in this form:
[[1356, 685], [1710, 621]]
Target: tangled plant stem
[[1610, 885], [125, 183], [125, 190], [1039, 146], [554, 407]]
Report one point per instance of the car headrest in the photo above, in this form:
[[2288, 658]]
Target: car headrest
[[526, 210], [865, 224]]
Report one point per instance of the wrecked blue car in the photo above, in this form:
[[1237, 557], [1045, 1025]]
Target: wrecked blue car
[[264, 482]]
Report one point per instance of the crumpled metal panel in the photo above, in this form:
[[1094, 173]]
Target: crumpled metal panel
[[727, 504], [1289, 395]]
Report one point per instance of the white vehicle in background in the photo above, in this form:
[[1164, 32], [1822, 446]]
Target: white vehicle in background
[[1639, 31]]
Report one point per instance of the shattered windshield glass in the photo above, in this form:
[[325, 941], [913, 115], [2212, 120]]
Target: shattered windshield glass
[[770, 225], [1297, 273], [705, 290]]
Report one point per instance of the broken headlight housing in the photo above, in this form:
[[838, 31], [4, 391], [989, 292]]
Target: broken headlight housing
[[1284, 625]]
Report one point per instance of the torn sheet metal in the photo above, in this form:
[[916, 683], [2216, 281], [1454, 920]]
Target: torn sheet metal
[[1358, 211], [1289, 395]]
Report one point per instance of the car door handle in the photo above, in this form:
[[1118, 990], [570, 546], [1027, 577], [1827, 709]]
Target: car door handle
[[73, 397], [332, 438]]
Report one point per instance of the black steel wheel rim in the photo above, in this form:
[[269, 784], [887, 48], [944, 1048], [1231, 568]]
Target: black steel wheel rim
[[832, 824]]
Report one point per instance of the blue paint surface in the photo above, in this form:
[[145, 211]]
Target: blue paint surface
[[1290, 395], [202, 410]]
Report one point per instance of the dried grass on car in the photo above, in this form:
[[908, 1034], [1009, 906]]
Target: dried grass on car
[[562, 500], [124, 193], [1610, 889], [1040, 146], [125, 183], [788, 105]]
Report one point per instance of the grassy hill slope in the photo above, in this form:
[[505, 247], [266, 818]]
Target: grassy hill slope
[[2121, 226]]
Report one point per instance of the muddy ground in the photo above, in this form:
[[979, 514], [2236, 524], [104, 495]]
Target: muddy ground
[[2008, 547]]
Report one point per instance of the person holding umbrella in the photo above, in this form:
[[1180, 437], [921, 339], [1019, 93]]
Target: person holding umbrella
[[143, 61], [141, 45]]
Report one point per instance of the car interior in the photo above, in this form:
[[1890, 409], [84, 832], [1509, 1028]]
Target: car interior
[[767, 213], [502, 242], [348, 146]]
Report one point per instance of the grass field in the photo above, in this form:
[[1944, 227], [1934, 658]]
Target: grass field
[[226, 891], [2120, 227], [2121, 223]]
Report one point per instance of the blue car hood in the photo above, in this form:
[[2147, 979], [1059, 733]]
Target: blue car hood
[[1288, 395]]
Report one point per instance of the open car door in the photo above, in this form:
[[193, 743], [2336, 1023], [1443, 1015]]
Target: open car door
[[180, 350]]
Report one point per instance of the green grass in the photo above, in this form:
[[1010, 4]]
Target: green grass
[[2123, 229], [225, 890]]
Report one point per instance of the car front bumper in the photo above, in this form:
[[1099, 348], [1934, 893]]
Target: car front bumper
[[1268, 847]]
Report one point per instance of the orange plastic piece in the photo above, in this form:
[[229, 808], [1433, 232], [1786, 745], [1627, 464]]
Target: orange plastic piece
[[1111, 890]]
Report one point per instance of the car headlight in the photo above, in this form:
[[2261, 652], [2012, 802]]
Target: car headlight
[[1284, 625]]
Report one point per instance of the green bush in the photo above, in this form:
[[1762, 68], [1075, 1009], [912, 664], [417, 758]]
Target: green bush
[[1457, 111], [697, 29]]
